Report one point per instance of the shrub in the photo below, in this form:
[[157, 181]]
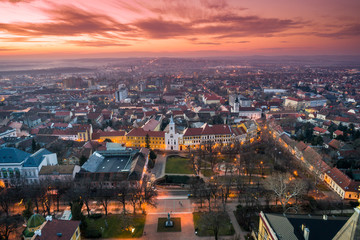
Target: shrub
[[95, 216], [153, 155], [92, 233]]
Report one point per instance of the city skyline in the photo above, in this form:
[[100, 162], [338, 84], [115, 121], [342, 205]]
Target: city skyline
[[177, 28]]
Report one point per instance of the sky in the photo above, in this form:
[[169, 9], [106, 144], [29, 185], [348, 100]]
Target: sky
[[116, 28]]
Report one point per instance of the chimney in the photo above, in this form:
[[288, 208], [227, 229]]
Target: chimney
[[325, 217], [306, 233]]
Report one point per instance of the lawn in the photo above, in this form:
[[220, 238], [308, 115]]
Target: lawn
[[224, 231], [176, 228], [178, 165], [113, 230]]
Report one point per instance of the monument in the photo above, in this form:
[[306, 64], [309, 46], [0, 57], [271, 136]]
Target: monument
[[168, 222]]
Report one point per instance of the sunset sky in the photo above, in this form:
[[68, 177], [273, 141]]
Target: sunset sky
[[178, 27]]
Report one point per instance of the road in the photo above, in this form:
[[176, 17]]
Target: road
[[159, 168]]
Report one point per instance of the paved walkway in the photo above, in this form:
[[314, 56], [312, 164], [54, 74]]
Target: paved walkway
[[238, 231]]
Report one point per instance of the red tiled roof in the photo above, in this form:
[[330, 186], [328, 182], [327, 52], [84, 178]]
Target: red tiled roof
[[150, 125], [293, 99], [339, 177], [315, 159], [341, 119], [67, 113], [238, 131], [67, 229], [339, 133], [139, 132], [335, 144], [301, 146], [320, 130], [246, 109], [216, 129], [212, 97], [192, 132], [93, 115], [112, 134], [208, 130]]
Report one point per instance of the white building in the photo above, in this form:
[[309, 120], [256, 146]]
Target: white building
[[121, 94], [7, 132], [236, 106], [15, 164], [243, 101], [250, 113], [172, 137]]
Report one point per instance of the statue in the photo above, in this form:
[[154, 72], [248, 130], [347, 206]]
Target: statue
[[168, 222]]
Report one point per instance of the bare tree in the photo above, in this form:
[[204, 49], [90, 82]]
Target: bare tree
[[213, 221], [148, 193], [197, 187], [134, 196], [123, 192], [82, 190], [225, 190], [6, 200], [285, 188], [8, 226], [104, 195]]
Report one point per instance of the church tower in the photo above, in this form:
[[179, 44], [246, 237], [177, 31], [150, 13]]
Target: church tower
[[236, 107], [172, 137]]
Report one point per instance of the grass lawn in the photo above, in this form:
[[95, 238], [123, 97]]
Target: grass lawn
[[224, 231], [207, 172], [179, 165], [176, 228], [113, 230]]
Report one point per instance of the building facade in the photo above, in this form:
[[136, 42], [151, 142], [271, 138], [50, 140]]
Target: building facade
[[15, 164], [172, 137]]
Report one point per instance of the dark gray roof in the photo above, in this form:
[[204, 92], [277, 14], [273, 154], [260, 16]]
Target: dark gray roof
[[288, 227], [110, 161], [35, 159], [12, 155]]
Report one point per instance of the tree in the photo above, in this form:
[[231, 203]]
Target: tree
[[85, 192], [148, 193], [33, 145], [213, 221], [197, 187], [134, 196], [6, 200], [105, 195], [76, 210], [225, 190], [152, 155], [83, 159], [28, 212], [123, 192], [285, 188], [8, 225], [147, 141]]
